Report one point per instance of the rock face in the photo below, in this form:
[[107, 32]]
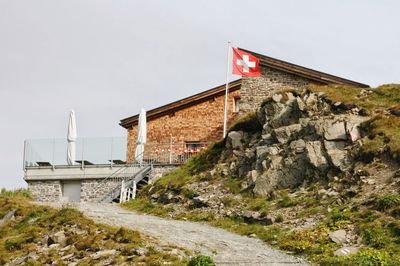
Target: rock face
[[304, 138]]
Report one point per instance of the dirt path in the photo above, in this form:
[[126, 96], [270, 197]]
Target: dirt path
[[226, 248]]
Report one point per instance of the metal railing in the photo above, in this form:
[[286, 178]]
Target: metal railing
[[110, 151], [171, 153], [129, 184]]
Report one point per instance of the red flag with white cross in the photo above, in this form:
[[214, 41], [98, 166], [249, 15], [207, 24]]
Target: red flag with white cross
[[245, 64]]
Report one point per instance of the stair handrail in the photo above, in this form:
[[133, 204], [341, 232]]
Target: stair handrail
[[139, 174], [118, 171]]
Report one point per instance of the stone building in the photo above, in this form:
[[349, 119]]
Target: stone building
[[199, 118]]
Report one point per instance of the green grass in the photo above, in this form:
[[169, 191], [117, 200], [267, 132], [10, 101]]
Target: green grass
[[380, 99], [287, 201], [365, 257], [176, 179], [379, 230], [22, 193], [383, 135], [233, 185], [258, 204]]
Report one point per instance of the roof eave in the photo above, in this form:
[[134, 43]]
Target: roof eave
[[180, 104]]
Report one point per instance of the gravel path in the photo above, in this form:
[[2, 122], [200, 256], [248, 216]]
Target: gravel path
[[225, 247]]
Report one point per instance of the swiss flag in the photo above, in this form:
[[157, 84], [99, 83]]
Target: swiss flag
[[245, 64]]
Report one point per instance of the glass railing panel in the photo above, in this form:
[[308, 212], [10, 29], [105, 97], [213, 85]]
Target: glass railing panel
[[119, 149], [53, 152]]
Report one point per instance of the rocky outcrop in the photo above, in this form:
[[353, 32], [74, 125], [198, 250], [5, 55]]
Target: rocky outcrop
[[305, 137]]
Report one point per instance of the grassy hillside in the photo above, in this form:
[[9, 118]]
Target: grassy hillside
[[364, 202], [33, 237], [383, 105]]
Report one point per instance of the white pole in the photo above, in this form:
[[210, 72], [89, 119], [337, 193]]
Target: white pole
[[226, 90]]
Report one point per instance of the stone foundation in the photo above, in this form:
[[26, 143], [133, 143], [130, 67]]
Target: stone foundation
[[159, 171], [45, 190], [94, 190]]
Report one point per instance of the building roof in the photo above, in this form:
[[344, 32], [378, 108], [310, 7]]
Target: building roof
[[265, 61], [308, 73], [181, 104]]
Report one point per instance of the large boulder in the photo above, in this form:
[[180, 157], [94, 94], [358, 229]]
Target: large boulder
[[335, 131], [338, 236], [286, 133], [282, 173], [57, 238], [315, 155], [337, 153]]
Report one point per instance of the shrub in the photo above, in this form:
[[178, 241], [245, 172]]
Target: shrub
[[396, 213], [375, 234], [388, 201], [201, 260], [338, 218], [233, 184], [205, 160], [305, 241], [287, 201], [127, 236], [370, 257], [189, 194], [14, 243], [367, 257], [279, 218], [257, 204]]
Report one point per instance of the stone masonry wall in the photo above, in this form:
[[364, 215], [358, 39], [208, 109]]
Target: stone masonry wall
[[255, 90], [201, 122], [159, 171], [93, 190], [45, 190]]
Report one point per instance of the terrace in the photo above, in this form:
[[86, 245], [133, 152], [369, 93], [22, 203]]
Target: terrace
[[100, 161]]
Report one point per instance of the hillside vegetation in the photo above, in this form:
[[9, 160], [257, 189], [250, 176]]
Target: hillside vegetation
[[383, 105], [39, 235], [346, 214]]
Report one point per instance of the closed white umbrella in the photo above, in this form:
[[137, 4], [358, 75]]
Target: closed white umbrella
[[141, 136], [71, 138]]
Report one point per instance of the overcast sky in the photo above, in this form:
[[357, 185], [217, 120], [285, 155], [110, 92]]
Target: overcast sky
[[108, 58]]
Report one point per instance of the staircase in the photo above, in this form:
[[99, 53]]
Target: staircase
[[128, 187]]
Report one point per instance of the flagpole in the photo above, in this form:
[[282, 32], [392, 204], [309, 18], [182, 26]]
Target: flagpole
[[226, 90]]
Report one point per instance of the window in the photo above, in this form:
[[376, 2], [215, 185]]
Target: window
[[236, 107]]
